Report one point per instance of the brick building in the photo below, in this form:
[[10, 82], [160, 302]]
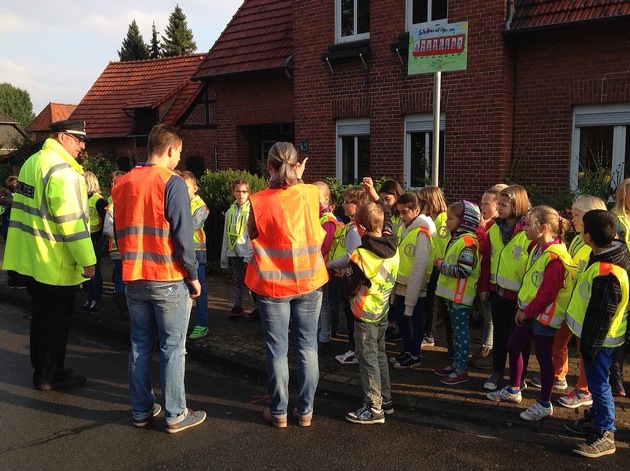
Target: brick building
[[547, 83]]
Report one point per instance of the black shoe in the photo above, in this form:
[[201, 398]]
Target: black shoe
[[616, 384], [72, 381], [394, 335], [582, 426], [97, 306], [86, 306]]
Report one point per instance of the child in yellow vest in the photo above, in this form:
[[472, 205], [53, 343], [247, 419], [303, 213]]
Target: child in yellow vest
[[200, 213], [542, 301], [457, 283], [368, 281], [597, 314], [503, 261], [331, 291], [236, 249], [433, 205], [353, 199], [580, 253], [414, 245]]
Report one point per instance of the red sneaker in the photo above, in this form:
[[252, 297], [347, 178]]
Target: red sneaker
[[455, 378]]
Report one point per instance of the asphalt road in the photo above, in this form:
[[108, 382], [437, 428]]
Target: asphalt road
[[90, 428]]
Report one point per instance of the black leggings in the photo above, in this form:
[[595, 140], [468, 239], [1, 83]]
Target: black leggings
[[503, 312]]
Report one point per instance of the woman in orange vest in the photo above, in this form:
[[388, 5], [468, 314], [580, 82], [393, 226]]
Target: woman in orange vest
[[286, 272]]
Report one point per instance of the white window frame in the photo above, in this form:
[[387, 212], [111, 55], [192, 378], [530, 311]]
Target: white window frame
[[418, 123], [615, 115], [409, 15], [352, 37], [353, 127]]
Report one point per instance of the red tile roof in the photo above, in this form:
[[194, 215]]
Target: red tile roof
[[53, 112], [541, 13], [259, 37], [162, 84]]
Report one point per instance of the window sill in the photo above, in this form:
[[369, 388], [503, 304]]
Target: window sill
[[345, 51]]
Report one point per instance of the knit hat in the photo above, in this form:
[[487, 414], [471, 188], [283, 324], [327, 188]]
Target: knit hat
[[471, 217]]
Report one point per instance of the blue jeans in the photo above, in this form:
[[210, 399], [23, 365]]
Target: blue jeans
[[94, 285], [303, 311], [119, 285], [201, 302], [603, 409], [326, 311], [159, 312]]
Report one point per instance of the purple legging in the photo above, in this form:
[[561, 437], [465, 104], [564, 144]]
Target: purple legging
[[543, 344]]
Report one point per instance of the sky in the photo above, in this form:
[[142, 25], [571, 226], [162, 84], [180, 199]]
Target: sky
[[55, 50]]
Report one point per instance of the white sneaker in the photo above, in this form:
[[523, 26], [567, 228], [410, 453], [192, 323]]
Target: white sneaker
[[348, 358], [505, 395], [537, 412]]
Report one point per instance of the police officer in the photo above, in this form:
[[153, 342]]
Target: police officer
[[49, 242]]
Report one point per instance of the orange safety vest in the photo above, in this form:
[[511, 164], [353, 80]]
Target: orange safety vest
[[142, 232], [287, 258]]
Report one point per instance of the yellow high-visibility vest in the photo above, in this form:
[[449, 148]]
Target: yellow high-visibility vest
[[576, 310], [553, 315], [460, 290], [49, 237]]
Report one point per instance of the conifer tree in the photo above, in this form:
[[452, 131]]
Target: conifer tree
[[154, 47], [133, 46], [179, 39]]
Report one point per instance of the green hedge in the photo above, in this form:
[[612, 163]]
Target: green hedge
[[215, 188]]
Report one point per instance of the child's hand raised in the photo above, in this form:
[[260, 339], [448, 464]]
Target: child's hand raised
[[368, 185]]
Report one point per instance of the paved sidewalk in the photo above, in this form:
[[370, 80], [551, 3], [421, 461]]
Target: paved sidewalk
[[239, 344]]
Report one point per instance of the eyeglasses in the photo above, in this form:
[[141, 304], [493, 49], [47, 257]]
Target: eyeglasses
[[241, 191], [75, 138]]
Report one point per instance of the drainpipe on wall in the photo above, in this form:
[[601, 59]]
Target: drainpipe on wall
[[510, 15]]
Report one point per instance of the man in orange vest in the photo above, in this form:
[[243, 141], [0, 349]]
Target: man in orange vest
[[154, 234]]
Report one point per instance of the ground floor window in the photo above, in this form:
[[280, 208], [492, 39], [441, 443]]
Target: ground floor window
[[418, 158], [600, 147], [353, 150]]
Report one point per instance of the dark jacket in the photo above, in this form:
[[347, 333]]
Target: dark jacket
[[605, 297], [383, 247]]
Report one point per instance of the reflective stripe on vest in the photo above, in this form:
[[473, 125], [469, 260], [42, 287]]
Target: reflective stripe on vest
[[624, 227], [507, 262], [459, 290], [330, 217], [142, 231], [407, 252], [96, 223], [112, 248], [581, 296], [372, 304], [442, 236], [199, 236], [340, 249], [580, 253], [287, 258], [553, 315], [236, 220], [49, 236]]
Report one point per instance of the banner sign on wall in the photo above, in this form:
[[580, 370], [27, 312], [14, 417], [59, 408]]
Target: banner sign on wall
[[442, 47]]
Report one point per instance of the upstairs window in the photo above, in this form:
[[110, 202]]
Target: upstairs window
[[426, 11], [352, 20]]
